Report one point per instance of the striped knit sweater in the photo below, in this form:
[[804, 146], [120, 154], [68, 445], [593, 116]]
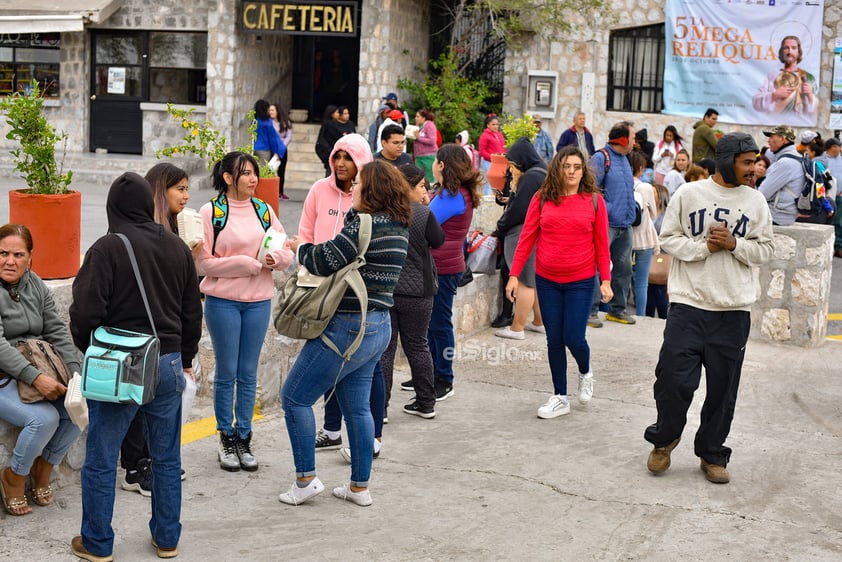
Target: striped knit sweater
[[384, 259]]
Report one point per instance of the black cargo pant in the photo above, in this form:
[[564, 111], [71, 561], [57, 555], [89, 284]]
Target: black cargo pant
[[696, 338]]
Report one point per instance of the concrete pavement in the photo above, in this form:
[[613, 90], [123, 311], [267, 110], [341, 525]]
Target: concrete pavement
[[487, 480]]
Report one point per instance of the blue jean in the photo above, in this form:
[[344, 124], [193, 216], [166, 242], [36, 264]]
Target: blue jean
[[564, 309], [237, 330], [108, 425], [333, 413], [440, 331], [484, 165], [316, 370], [642, 261], [46, 429], [620, 241]]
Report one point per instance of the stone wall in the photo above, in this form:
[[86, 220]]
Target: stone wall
[[586, 52], [794, 287], [393, 44]]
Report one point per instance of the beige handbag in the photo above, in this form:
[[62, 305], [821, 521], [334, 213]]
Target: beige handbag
[[44, 357]]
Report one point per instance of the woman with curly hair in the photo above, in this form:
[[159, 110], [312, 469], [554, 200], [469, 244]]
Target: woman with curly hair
[[568, 223]]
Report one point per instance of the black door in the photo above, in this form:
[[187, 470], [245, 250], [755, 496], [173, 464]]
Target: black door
[[117, 88], [325, 71]]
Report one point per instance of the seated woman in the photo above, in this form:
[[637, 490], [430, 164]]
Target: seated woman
[[27, 310]]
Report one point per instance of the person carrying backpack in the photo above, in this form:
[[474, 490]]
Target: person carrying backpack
[[382, 193], [238, 293], [784, 178]]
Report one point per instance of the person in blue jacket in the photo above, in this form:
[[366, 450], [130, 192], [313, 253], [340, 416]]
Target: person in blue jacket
[[616, 182], [267, 143]]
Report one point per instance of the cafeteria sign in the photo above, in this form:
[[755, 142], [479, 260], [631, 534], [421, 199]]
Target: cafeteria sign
[[301, 18]]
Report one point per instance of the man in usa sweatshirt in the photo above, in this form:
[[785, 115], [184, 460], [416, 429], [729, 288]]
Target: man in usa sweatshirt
[[716, 230]]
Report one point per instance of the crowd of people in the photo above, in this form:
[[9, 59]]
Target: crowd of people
[[580, 229]]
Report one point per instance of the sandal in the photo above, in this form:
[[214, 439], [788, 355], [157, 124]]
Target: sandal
[[42, 496], [14, 505]]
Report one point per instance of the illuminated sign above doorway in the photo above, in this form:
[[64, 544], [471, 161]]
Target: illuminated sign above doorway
[[300, 18]]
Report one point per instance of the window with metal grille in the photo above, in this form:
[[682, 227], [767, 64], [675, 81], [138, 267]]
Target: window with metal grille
[[636, 69]]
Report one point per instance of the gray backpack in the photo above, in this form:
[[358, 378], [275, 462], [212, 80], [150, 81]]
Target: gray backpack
[[303, 312]]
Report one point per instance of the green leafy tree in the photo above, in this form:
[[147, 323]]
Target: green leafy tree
[[203, 139], [35, 158], [458, 102], [516, 127]]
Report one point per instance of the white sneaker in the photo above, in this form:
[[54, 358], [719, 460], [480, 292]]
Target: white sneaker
[[585, 387], [297, 496], [360, 498], [508, 333], [556, 406], [538, 329]]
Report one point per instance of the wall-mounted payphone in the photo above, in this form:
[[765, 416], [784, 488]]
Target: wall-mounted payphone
[[542, 93]]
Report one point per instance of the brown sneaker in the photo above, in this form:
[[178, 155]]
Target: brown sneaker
[[659, 458], [715, 473], [165, 551], [79, 550]]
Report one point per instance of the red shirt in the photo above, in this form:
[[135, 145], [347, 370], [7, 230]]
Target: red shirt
[[572, 239]]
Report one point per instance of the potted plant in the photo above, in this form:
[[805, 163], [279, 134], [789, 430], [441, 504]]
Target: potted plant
[[47, 207], [205, 141]]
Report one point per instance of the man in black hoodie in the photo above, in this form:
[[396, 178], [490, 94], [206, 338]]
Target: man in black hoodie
[[105, 293], [528, 173]]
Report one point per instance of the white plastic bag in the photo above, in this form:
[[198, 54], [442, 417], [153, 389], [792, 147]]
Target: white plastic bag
[[274, 163], [76, 404], [187, 398]]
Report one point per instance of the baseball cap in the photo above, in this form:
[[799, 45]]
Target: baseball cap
[[783, 130], [391, 96], [807, 137], [832, 141], [395, 115], [536, 118]]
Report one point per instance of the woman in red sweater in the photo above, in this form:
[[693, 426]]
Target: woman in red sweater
[[569, 223], [491, 141]]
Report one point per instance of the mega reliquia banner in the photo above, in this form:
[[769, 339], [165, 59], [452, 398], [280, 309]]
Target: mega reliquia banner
[[755, 62]]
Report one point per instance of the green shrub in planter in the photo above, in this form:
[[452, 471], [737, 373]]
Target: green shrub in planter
[[35, 158]]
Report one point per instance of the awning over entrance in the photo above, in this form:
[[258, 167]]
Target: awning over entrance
[[50, 16]]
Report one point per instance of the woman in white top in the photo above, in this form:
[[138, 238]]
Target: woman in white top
[[665, 150], [645, 238], [675, 177]]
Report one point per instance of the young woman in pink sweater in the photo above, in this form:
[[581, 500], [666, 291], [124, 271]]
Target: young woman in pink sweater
[[426, 142], [238, 302], [569, 223]]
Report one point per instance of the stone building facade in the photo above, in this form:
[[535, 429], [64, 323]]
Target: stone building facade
[[582, 59]]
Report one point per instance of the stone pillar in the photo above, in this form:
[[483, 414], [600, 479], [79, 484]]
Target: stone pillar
[[794, 287]]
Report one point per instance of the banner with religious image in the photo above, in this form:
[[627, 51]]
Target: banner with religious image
[[836, 89], [755, 62]]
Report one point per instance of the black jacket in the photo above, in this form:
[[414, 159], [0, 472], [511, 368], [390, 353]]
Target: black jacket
[[105, 292], [523, 154], [418, 276]]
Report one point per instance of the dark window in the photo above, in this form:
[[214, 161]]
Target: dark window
[[25, 57], [177, 64], [636, 69]]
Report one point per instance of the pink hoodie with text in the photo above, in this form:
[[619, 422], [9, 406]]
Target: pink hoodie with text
[[326, 204]]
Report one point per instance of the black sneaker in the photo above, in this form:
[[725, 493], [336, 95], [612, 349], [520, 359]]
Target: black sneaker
[[139, 480], [502, 321], [227, 452], [408, 386], [415, 410], [325, 443], [244, 454], [444, 390]]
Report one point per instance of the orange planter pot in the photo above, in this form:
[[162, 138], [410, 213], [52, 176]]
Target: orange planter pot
[[269, 190], [497, 172], [56, 225]]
